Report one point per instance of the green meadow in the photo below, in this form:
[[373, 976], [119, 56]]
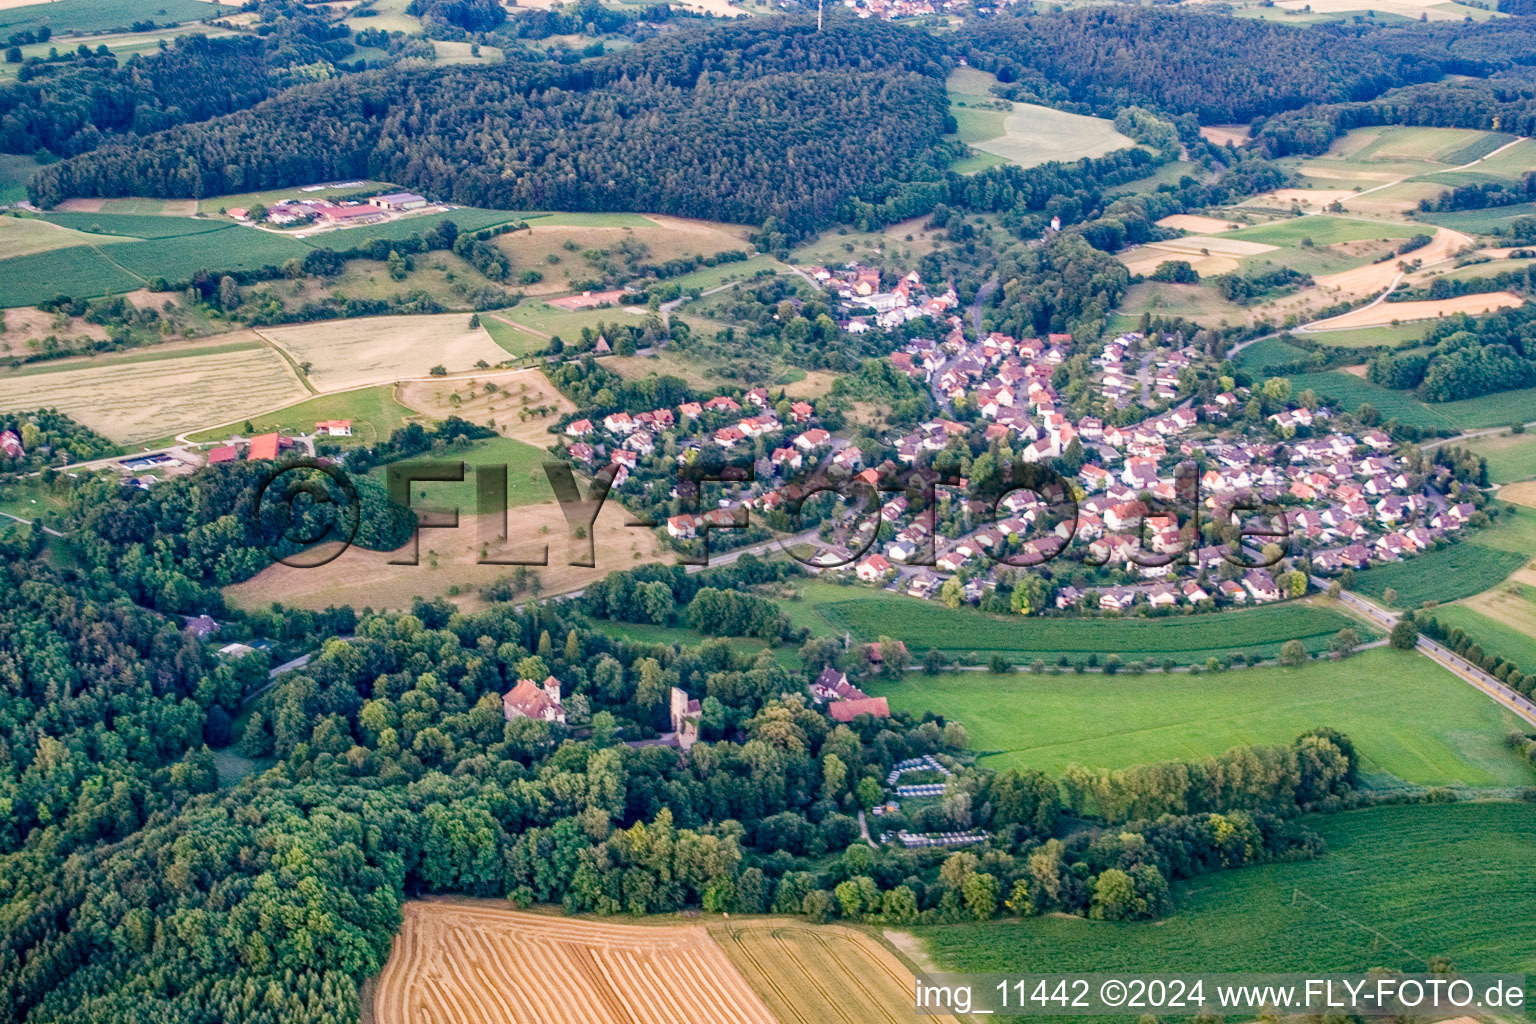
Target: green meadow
[[1397, 886], [1411, 719]]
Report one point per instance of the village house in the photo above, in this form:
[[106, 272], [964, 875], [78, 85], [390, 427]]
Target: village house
[[531, 700]]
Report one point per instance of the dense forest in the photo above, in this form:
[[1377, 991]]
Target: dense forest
[[737, 123], [1223, 69], [1470, 356]]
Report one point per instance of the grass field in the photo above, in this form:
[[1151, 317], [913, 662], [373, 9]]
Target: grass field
[[810, 974], [526, 482], [1322, 230], [1511, 457], [15, 172], [1200, 303], [1440, 730], [450, 962], [566, 324], [868, 614], [373, 411], [1367, 337], [98, 15], [1481, 561], [1495, 410], [1502, 621], [139, 399], [1384, 895], [1027, 135]]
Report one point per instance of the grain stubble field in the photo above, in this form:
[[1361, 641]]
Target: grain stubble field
[[463, 961]]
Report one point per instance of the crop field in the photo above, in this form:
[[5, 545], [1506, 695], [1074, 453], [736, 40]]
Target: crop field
[[1481, 561], [1381, 896], [481, 961], [1496, 410], [373, 411], [98, 15], [815, 974], [81, 270], [1439, 731], [450, 562], [23, 236], [134, 225], [1269, 352], [1372, 156], [869, 614], [1350, 392], [140, 399], [1386, 313], [232, 248], [1482, 221], [1511, 457], [377, 350], [467, 219], [15, 172]]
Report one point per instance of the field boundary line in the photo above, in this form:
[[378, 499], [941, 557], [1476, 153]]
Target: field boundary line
[[1295, 893], [293, 364]]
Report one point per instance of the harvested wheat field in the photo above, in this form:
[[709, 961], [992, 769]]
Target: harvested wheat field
[[467, 962], [1430, 309], [1146, 259], [1224, 134], [1521, 494], [1199, 225], [382, 349], [155, 393], [1374, 277], [1306, 198], [811, 974], [655, 240], [449, 561], [522, 406]]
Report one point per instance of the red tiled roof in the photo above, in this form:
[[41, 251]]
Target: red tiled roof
[[263, 447], [848, 710], [224, 453]]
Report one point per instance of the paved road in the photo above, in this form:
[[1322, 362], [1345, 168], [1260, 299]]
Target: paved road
[[1444, 656]]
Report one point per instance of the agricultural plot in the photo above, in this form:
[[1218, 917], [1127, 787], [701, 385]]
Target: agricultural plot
[[527, 483], [1269, 352], [1498, 409], [520, 404], [450, 563], [544, 321], [479, 961], [23, 236], [1439, 731], [81, 270], [1350, 392], [99, 15], [809, 974], [1382, 896], [1480, 222], [1320, 230], [1446, 575], [1502, 621], [1511, 457], [1201, 303], [374, 413], [566, 253], [1367, 157], [1370, 337], [245, 200], [178, 258], [376, 350], [870, 614], [467, 218], [133, 225], [1385, 313], [135, 400], [1028, 134]]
